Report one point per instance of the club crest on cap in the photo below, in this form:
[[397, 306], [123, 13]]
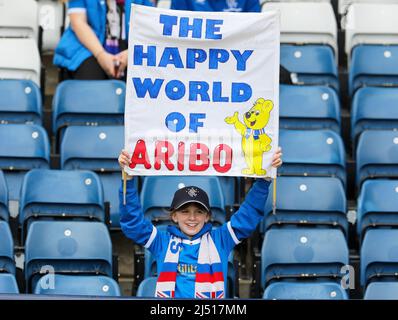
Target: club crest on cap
[[192, 192]]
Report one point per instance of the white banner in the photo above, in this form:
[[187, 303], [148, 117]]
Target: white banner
[[202, 92]]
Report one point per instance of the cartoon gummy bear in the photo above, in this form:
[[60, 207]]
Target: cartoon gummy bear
[[254, 140]]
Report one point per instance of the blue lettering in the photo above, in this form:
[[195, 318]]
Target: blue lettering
[[216, 56], [211, 29], [171, 56], [175, 90], [195, 55], [168, 23], [217, 93], [175, 121], [141, 88], [240, 92], [194, 123], [241, 58], [195, 27], [198, 88], [139, 55]]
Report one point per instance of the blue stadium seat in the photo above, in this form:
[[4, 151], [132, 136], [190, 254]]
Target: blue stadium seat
[[57, 284], [98, 151], [8, 284], [309, 107], [88, 102], [381, 291], [313, 64], [376, 155], [67, 247], [383, 71], [374, 109], [4, 215], [308, 201], [147, 288], [377, 205], [7, 264], [379, 256], [307, 290], [60, 194], [158, 191], [312, 153], [23, 147], [20, 102], [303, 253]]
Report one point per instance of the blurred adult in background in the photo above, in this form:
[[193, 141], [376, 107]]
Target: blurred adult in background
[[94, 46]]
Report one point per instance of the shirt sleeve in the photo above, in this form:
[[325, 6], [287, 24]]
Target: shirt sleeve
[[75, 6], [253, 6], [246, 219], [179, 5], [132, 221]]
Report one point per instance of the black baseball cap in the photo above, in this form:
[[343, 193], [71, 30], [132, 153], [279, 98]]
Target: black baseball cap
[[190, 194]]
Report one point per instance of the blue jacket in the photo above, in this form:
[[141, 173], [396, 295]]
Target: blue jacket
[[241, 225], [217, 5], [70, 52]]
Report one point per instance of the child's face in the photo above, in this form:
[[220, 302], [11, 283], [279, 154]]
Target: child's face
[[190, 219]]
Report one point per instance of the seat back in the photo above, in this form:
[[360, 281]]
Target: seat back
[[379, 256], [147, 288], [51, 20], [8, 284], [381, 291], [302, 253], [19, 19], [309, 107], [308, 290], [70, 285], [67, 247], [382, 72], [377, 205], [157, 193], [20, 102], [88, 102], [61, 194], [15, 63], [312, 153], [380, 164], [308, 201], [300, 25], [374, 109]]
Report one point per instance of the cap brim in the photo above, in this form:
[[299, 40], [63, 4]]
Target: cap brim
[[190, 201]]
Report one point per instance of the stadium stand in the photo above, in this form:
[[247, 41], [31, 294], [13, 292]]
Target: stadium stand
[[60, 194], [312, 153], [23, 147], [70, 285], [20, 102], [98, 151], [380, 164], [308, 201], [303, 253], [88, 103], [305, 291], [309, 107], [147, 288], [377, 205], [67, 247]]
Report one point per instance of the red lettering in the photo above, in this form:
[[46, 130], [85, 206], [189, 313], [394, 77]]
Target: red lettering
[[140, 155], [194, 157], [227, 150], [181, 156], [164, 156]]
